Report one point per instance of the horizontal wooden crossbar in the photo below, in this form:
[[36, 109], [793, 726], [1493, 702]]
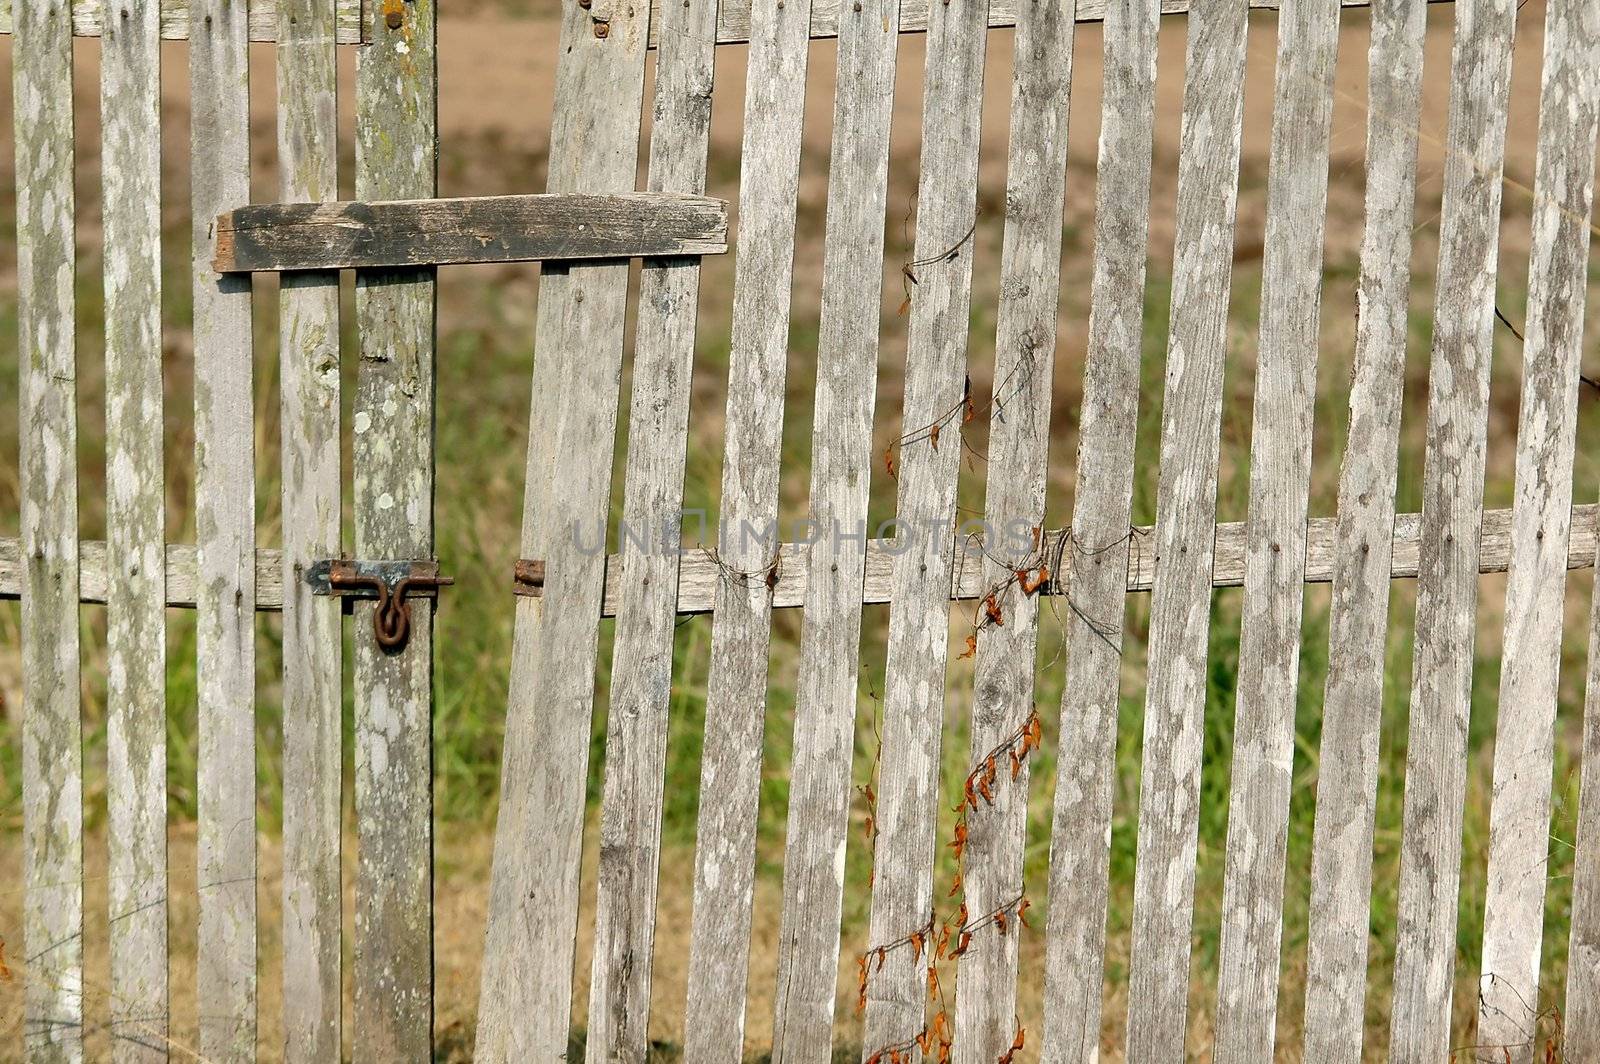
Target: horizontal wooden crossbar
[[698, 572], [437, 232], [733, 20]]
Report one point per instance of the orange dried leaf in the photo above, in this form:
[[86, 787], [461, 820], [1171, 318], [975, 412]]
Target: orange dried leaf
[[963, 945], [1022, 907], [916, 946], [1016, 764], [933, 435], [1000, 921], [972, 647]]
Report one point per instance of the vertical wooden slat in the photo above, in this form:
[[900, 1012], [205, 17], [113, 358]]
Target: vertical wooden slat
[[1452, 506], [526, 991], [1019, 436], [312, 702], [928, 460], [136, 718], [1583, 952], [52, 735], [1519, 822], [219, 74], [1101, 516], [1341, 860], [636, 736], [830, 629], [1275, 532], [1180, 602], [396, 158], [747, 532]]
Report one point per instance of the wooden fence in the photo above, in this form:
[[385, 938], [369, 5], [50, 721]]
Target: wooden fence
[[912, 1005]]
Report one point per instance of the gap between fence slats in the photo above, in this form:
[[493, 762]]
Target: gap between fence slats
[[1509, 1002], [1096, 561], [396, 158], [841, 469], [1452, 506], [308, 330], [907, 802], [736, 687], [641, 690], [225, 520], [136, 717], [47, 431], [1180, 605], [1275, 529], [526, 991], [1362, 550]]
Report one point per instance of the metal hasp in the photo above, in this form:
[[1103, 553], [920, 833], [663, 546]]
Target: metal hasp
[[389, 582]]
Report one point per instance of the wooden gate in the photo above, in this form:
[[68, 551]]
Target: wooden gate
[[939, 977]]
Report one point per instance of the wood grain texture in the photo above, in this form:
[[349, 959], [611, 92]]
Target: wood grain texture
[[89, 18], [1524, 750], [308, 353], [1275, 528], [1175, 702], [1452, 503], [526, 994], [1582, 1017], [641, 689], [319, 236], [1364, 548], [396, 158], [1100, 549], [698, 574], [734, 20], [1018, 448], [136, 716], [47, 573], [908, 798], [219, 75], [747, 530], [841, 468]]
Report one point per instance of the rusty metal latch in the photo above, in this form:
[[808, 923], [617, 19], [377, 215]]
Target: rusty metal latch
[[391, 583], [528, 578]]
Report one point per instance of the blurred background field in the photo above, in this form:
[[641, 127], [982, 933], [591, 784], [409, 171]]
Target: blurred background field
[[496, 70]]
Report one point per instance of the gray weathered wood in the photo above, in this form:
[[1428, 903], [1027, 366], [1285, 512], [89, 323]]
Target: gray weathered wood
[[1175, 703], [136, 717], [219, 72], [526, 994], [308, 314], [736, 688], [1363, 548], [928, 460], [1275, 533], [396, 158], [1096, 559], [47, 429], [1452, 503], [1509, 1007], [1582, 1019], [841, 468], [641, 689], [734, 21], [319, 236], [88, 18], [698, 574]]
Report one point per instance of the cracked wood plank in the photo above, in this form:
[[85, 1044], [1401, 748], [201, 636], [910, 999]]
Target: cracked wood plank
[[1180, 605], [136, 716], [88, 18], [526, 994], [393, 421], [1524, 748], [52, 731], [421, 232], [1363, 550], [308, 353]]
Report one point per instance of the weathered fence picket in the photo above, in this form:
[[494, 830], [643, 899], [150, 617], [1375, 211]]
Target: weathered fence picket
[[841, 467], [1583, 950], [308, 329], [1452, 494], [1509, 1007], [1186, 503]]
